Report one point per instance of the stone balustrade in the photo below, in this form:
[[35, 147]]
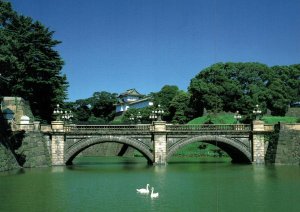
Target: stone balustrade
[[209, 127]]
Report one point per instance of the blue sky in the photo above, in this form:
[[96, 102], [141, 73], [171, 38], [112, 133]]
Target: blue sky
[[115, 45]]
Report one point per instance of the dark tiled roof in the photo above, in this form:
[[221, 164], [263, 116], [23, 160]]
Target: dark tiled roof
[[131, 92]]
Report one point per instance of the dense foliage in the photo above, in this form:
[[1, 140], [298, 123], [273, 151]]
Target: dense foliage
[[221, 87], [100, 108], [30, 63], [240, 86]]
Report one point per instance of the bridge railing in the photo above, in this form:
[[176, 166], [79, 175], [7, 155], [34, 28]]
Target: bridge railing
[[89, 128], [290, 126], [268, 127], [169, 127], [209, 127]]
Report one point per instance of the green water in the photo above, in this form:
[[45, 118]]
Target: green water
[[109, 184]]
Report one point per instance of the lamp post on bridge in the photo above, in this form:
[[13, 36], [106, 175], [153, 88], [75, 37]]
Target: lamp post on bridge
[[159, 112], [257, 112], [61, 115], [67, 116], [57, 113], [153, 116], [131, 118], [237, 116], [136, 118], [139, 117]]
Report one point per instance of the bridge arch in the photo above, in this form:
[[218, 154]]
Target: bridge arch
[[81, 145], [236, 150]]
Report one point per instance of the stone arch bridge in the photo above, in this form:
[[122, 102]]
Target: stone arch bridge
[[158, 141]]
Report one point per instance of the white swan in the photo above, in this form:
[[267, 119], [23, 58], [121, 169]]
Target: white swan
[[153, 195], [143, 190]]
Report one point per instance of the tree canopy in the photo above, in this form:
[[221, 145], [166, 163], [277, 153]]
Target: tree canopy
[[240, 86], [164, 98], [100, 108], [30, 62]]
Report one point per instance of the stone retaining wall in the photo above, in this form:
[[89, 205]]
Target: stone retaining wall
[[283, 146], [7, 159], [35, 150], [19, 149], [288, 147], [19, 106]]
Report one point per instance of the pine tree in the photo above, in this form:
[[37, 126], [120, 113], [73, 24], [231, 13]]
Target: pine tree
[[29, 61]]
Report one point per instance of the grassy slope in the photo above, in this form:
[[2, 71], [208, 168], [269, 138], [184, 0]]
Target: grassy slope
[[276, 119], [117, 120], [223, 118], [227, 118]]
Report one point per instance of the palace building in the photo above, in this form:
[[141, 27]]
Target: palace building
[[132, 99]]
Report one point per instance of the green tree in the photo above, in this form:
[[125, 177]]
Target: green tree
[[29, 61], [290, 79], [179, 108], [133, 112], [231, 87], [98, 109], [164, 98], [80, 109], [103, 105], [295, 81]]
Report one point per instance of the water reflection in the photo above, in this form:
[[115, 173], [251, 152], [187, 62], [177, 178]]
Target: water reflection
[[108, 184], [20, 171], [160, 169], [57, 169]]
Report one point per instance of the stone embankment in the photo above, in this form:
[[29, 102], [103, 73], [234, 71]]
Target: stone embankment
[[34, 151], [7, 159], [288, 148], [21, 149], [283, 146]]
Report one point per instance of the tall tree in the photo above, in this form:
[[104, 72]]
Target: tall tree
[[98, 109], [29, 61], [103, 105], [239, 86], [164, 98], [81, 110], [179, 108]]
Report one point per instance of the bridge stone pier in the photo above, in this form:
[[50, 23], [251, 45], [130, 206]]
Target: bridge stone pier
[[57, 143], [259, 144], [158, 141]]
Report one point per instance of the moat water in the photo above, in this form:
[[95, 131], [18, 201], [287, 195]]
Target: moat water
[[109, 184]]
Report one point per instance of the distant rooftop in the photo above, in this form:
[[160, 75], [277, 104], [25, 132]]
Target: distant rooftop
[[131, 92]]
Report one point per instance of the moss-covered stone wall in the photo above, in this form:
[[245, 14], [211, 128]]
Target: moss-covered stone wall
[[288, 147], [283, 146], [17, 148], [7, 159], [34, 151]]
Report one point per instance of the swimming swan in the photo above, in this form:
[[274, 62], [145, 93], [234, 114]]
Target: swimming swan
[[153, 195], [143, 190]]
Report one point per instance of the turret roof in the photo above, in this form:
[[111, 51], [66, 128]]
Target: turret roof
[[131, 92]]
